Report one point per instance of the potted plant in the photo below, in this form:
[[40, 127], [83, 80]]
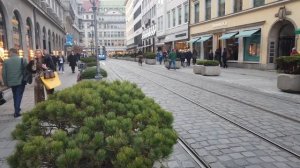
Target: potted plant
[[289, 73], [150, 58], [207, 68], [90, 73], [94, 124]]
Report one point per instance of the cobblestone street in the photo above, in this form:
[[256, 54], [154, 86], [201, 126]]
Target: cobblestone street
[[227, 123]]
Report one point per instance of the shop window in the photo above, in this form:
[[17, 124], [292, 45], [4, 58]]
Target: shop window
[[16, 26], [29, 35], [252, 47], [207, 46], [232, 46]]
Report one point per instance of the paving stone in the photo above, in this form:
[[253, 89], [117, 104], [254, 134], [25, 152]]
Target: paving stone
[[224, 158], [236, 155], [267, 159], [173, 164]]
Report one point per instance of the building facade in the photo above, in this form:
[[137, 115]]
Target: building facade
[[111, 27], [254, 32], [172, 24], [133, 25]]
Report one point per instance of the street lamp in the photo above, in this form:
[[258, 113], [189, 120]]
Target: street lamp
[[98, 75]]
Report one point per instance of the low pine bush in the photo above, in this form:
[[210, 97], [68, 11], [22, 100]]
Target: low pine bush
[[90, 72], [288, 64], [88, 59], [94, 124]]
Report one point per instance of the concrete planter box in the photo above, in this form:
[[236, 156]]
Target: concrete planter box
[[151, 61], [288, 82], [178, 64], [207, 70], [198, 69]]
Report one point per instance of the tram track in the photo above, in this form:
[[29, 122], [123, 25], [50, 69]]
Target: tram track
[[193, 154], [269, 140]]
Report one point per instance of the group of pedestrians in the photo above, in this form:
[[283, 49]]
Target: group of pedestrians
[[17, 73], [220, 56]]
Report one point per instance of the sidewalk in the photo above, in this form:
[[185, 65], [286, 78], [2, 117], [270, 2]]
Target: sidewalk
[[8, 122]]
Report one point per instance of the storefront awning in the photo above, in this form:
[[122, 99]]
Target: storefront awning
[[297, 31], [204, 38], [247, 33], [228, 35], [194, 40]]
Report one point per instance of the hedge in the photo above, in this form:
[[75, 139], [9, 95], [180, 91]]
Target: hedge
[[94, 124], [90, 72], [288, 64], [88, 59], [208, 62], [150, 55]]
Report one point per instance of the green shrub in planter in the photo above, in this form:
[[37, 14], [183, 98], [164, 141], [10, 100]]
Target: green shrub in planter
[[289, 64], [150, 55], [208, 62], [94, 124], [91, 64], [88, 59], [90, 72]]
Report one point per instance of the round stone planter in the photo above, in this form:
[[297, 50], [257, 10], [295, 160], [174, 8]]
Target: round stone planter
[[288, 82], [151, 61], [198, 69], [178, 64]]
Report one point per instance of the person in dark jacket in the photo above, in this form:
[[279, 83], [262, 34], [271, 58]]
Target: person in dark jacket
[[72, 59], [218, 56], [189, 56], [48, 60], [224, 58], [181, 56], [55, 60], [194, 56]]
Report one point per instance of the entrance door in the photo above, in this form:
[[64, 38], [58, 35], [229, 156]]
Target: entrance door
[[286, 45]]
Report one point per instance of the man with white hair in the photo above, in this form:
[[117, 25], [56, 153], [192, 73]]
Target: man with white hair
[[294, 52]]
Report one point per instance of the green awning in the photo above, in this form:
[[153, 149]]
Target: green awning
[[194, 40], [297, 31], [247, 33], [204, 38], [228, 35]]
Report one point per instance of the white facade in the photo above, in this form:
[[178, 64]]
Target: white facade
[[172, 19], [133, 24]]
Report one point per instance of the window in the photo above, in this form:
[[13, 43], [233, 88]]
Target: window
[[87, 16], [179, 15], [29, 35], [258, 3], [186, 12], [3, 42], [238, 5], [208, 10], [174, 17], [197, 13], [169, 19], [221, 8]]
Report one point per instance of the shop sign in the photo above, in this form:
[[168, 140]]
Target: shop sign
[[220, 24]]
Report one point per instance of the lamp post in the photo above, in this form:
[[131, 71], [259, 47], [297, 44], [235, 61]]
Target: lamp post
[[93, 2]]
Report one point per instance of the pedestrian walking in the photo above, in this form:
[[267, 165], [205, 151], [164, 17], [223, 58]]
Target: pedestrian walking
[[13, 69], [55, 61], [1, 65], [38, 66], [140, 58], [189, 56], [218, 56], [224, 58], [165, 55], [194, 56], [72, 59], [61, 62], [181, 56], [172, 59], [160, 56]]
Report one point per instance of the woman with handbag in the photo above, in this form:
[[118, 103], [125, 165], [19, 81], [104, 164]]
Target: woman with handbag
[[38, 66]]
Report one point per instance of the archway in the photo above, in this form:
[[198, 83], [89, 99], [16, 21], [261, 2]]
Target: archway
[[29, 40], [16, 30], [281, 40], [49, 41], [3, 33], [44, 38], [37, 36]]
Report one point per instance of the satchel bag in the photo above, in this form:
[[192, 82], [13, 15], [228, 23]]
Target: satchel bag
[[49, 74], [2, 100], [27, 76], [51, 82]]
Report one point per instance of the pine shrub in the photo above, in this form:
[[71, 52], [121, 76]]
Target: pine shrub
[[88, 59], [94, 124], [288, 64], [90, 73], [208, 62]]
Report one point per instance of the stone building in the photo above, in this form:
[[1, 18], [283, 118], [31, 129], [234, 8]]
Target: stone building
[[254, 32]]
